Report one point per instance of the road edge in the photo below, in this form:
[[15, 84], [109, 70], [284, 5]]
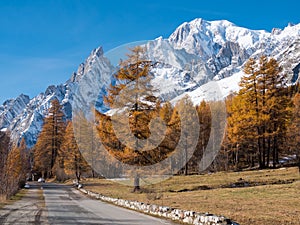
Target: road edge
[[182, 216]]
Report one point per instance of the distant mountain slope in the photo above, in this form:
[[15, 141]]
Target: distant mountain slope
[[195, 53]]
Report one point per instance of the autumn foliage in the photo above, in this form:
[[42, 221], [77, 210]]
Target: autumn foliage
[[14, 166], [262, 126]]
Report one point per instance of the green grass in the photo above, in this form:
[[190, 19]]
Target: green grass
[[272, 198]]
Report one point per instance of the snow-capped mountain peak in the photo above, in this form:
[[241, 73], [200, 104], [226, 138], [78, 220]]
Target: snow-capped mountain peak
[[207, 36], [195, 54]]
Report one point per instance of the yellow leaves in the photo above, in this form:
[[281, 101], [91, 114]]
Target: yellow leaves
[[69, 151], [14, 162], [17, 165], [50, 139], [258, 114], [294, 126], [132, 77], [166, 112]]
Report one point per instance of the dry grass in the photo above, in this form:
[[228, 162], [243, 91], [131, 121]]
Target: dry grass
[[18, 196], [276, 199]]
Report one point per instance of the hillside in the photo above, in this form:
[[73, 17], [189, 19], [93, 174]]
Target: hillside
[[203, 59]]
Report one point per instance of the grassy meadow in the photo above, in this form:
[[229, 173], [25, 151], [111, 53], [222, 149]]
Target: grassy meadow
[[261, 197]]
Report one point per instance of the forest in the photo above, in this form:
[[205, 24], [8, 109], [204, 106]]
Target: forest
[[262, 126]]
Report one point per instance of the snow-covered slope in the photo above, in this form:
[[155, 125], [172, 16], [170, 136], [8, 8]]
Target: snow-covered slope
[[12, 108], [201, 51], [24, 116], [200, 58]]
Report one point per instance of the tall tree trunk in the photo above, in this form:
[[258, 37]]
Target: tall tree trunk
[[260, 163], [264, 148], [136, 183], [237, 157], [298, 161], [268, 151], [185, 158], [274, 151]]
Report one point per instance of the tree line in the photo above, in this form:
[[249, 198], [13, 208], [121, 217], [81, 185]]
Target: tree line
[[14, 165], [263, 117], [59, 154], [56, 153], [263, 124]]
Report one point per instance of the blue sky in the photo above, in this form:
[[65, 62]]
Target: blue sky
[[43, 42]]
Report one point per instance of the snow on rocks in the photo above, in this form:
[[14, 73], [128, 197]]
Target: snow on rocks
[[195, 54]]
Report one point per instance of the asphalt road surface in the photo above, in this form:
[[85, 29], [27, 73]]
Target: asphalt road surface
[[60, 204], [29, 210]]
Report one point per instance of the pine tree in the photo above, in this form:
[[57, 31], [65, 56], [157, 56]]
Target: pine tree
[[134, 94], [132, 88], [241, 132], [204, 115], [258, 115], [210, 159], [5, 147], [4, 150], [69, 152], [184, 137], [171, 136], [49, 140], [251, 98], [15, 169], [88, 141], [294, 130], [18, 163], [108, 147], [278, 105]]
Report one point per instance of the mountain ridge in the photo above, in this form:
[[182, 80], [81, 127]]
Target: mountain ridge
[[196, 53]]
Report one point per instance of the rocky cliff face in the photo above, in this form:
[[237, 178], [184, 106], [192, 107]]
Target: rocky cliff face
[[196, 53], [24, 116], [12, 108]]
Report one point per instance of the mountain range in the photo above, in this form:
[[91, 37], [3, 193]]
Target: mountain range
[[203, 59]]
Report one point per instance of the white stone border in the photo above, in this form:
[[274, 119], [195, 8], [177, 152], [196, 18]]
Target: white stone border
[[188, 217]]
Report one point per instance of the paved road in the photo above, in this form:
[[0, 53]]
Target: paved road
[[64, 205], [29, 210]]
